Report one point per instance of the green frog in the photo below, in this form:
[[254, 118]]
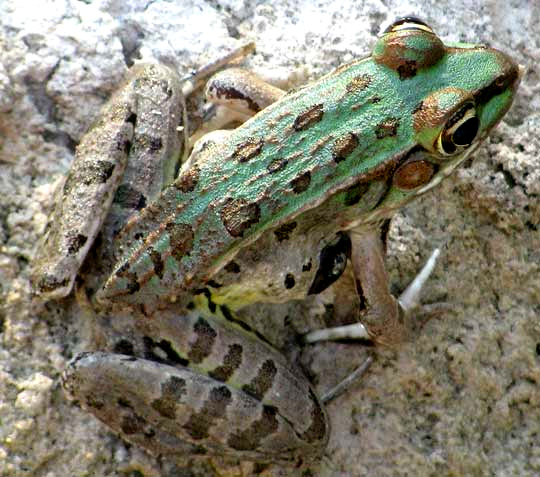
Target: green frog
[[272, 211]]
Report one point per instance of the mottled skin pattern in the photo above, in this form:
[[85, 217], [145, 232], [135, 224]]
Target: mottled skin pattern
[[302, 151], [271, 212]]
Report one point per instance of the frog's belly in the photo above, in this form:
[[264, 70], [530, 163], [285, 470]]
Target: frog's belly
[[275, 269]]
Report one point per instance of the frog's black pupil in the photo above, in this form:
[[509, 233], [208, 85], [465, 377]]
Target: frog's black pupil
[[466, 132]]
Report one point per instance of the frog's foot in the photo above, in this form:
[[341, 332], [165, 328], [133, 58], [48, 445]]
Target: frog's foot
[[410, 297], [346, 383], [409, 302], [234, 95]]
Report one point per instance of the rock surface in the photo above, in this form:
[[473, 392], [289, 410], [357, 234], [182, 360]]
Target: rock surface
[[462, 399]]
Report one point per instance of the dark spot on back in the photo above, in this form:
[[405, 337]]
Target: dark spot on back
[[359, 83], [407, 70], [301, 182], [49, 283], [354, 193], [308, 118], [284, 232], [122, 402], [132, 118], [189, 179], [248, 149], [276, 165], [75, 242], [213, 409], [97, 172], [289, 281], [172, 391], [124, 347], [121, 271], [129, 198], [344, 146], [180, 238], [155, 144], [318, 428], [95, 402], [133, 285], [132, 424], [307, 267], [387, 128], [238, 215], [157, 261], [232, 267], [250, 438]]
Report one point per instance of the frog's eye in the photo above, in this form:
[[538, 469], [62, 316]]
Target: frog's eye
[[407, 46], [460, 131], [332, 263], [408, 23]]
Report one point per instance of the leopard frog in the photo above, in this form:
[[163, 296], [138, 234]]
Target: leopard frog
[[269, 212]]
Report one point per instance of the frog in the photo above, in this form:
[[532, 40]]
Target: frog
[[272, 211]]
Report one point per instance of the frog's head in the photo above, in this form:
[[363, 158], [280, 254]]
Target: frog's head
[[464, 90]]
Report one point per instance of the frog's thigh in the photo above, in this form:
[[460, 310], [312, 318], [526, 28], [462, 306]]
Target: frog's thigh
[[239, 396], [158, 139]]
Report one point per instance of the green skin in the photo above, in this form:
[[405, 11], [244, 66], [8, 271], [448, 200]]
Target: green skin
[[332, 160], [288, 161]]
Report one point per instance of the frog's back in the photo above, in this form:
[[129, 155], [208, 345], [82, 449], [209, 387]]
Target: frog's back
[[350, 125]]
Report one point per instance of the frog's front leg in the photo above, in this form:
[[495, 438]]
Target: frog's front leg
[[385, 319], [203, 383]]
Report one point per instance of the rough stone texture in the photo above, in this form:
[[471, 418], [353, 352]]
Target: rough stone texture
[[462, 399]]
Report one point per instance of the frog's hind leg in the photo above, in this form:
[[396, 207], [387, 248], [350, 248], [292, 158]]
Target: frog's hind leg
[[122, 164], [203, 384]]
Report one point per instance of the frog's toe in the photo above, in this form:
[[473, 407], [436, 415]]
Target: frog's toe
[[410, 298]]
